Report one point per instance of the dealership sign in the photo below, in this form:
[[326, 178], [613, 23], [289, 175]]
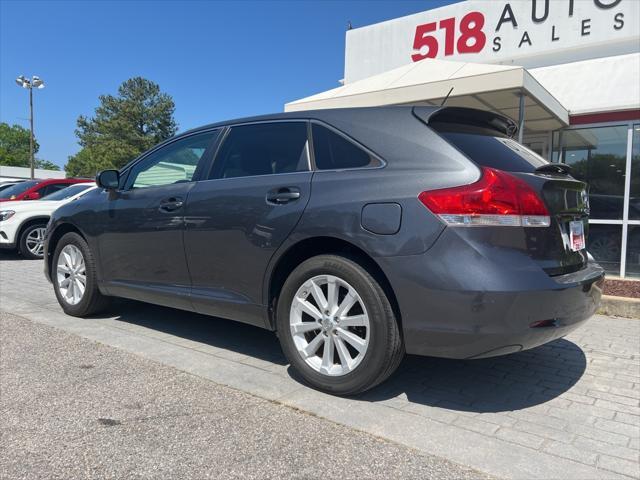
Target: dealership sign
[[524, 32]]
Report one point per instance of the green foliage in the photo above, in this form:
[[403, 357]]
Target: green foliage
[[46, 164], [14, 145], [14, 148], [123, 127]]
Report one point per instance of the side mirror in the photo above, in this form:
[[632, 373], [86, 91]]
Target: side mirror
[[32, 196], [108, 179]]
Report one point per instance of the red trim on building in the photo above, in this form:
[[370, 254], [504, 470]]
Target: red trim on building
[[603, 117]]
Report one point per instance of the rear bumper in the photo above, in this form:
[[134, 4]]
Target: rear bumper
[[459, 304]]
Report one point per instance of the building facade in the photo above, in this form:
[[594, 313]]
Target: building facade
[[568, 71], [8, 174]]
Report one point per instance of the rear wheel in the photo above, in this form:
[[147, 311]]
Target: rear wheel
[[336, 326], [32, 241], [74, 277]]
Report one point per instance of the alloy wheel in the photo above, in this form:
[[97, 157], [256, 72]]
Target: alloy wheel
[[71, 274], [329, 324], [35, 241]]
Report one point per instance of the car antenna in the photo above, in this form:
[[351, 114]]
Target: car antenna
[[446, 98]]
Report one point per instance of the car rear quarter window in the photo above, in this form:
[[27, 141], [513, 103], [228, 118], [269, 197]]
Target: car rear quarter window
[[489, 148], [263, 149], [332, 151], [52, 188]]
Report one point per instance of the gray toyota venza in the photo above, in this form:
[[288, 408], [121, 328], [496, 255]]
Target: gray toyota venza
[[355, 234]]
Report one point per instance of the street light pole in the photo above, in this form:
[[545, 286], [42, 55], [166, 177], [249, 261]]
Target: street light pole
[[36, 82], [32, 160]]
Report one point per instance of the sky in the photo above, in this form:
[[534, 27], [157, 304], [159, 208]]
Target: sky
[[219, 60]]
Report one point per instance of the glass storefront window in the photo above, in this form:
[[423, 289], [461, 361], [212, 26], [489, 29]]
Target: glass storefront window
[[634, 200], [633, 251], [604, 242], [597, 156]]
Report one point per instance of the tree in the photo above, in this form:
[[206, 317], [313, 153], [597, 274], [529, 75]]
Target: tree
[[14, 148], [14, 145], [123, 127], [46, 164]]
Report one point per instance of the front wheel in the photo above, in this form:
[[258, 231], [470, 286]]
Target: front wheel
[[73, 273], [32, 241], [336, 326]]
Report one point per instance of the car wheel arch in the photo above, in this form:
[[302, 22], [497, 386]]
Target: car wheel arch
[[314, 246]]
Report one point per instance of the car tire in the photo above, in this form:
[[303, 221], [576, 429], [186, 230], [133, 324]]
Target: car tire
[[31, 242], [365, 337], [66, 275]]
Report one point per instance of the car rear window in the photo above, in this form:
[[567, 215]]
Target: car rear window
[[489, 148]]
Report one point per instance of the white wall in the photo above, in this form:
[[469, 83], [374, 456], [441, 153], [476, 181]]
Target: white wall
[[15, 173], [592, 86]]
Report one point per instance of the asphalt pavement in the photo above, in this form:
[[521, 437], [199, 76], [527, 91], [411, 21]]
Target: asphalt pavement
[[75, 408]]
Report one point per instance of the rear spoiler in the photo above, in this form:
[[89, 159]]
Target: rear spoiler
[[468, 116], [555, 168]]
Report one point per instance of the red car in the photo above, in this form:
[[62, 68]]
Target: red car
[[35, 189]]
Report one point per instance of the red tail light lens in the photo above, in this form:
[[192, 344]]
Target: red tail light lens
[[498, 198]]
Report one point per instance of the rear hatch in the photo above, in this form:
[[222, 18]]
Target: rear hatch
[[485, 138]]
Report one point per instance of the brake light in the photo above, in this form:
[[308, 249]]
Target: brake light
[[498, 198]]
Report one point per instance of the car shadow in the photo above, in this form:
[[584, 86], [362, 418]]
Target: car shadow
[[217, 332], [498, 384], [510, 382], [12, 255]]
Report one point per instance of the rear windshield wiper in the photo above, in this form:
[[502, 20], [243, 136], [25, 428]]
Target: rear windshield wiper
[[554, 168]]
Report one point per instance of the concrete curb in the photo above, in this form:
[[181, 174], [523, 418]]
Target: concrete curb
[[620, 306]]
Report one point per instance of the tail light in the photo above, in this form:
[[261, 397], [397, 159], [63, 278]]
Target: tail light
[[497, 199]]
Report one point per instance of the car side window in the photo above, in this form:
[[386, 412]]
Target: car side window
[[173, 163], [263, 149], [332, 151]]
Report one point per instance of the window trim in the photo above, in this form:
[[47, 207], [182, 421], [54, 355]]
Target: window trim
[[229, 127], [126, 170], [353, 141]]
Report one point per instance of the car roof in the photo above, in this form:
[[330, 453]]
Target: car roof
[[345, 119], [62, 180], [323, 115], [391, 132]]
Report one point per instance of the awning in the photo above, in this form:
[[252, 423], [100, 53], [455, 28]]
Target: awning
[[489, 87], [596, 85]]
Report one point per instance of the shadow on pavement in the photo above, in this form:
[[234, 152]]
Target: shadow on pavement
[[12, 255], [497, 384], [217, 332]]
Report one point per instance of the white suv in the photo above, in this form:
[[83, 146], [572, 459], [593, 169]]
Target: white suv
[[23, 223]]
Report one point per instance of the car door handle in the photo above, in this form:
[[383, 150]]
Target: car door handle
[[283, 195], [171, 204]]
